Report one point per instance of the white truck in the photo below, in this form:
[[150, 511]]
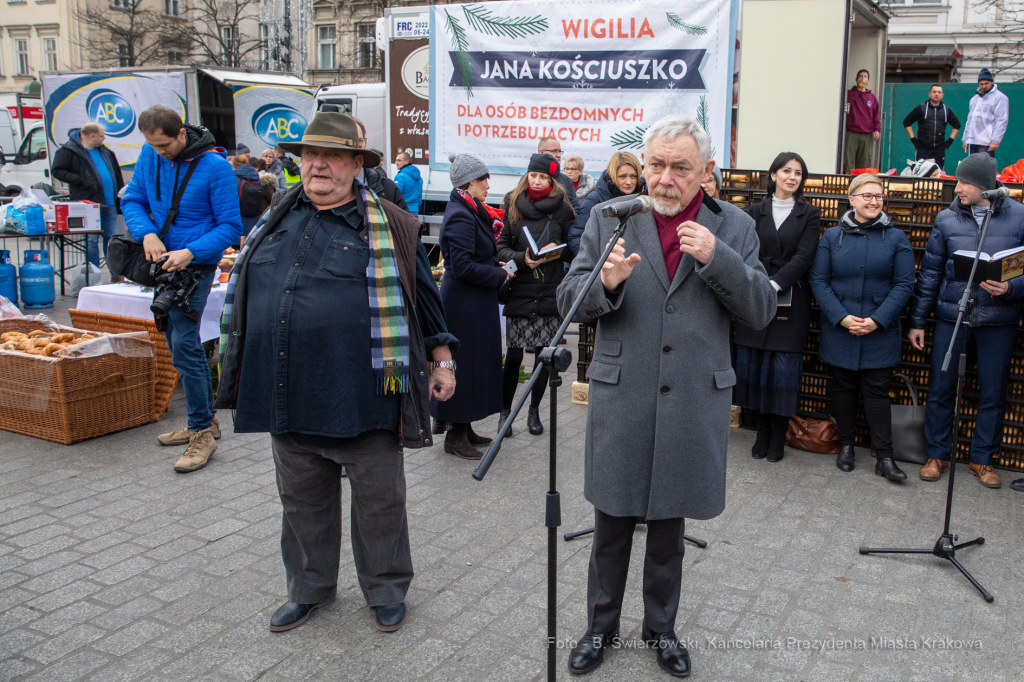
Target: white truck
[[21, 140], [257, 109]]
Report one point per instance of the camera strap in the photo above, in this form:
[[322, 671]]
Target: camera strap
[[176, 199]]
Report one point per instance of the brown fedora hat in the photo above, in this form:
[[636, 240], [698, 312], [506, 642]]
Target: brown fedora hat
[[334, 131]]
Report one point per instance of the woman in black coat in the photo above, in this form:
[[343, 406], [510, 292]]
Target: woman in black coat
[[540, 205], [623, 176], [769, 361], [469, 291]]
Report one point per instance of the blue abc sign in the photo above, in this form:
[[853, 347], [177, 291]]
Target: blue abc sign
[[111, 111], [276, 123]]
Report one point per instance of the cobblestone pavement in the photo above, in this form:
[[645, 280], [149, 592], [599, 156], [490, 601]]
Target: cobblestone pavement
[[114, 568]]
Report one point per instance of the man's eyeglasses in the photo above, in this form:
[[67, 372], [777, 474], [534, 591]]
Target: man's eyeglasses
[[553, 152], [871, 197]]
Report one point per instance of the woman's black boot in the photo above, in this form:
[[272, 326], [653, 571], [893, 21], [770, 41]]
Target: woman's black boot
[[764, 436], [845, 459], [777, 445], [886, 466], [501, 420], [533, 421]]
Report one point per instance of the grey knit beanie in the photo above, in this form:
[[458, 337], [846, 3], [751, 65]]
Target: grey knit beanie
[[465, 168], [717, 173], [978, 170]]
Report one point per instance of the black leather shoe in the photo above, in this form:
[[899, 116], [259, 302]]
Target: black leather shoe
[[673, 657], [389, 618], [1018, 484], [290, 615], [501, 420], [886, 466], [533, 421], [588, 653], [845, 459], [476, 439]]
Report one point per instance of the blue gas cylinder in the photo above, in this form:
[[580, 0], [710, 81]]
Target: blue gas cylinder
[[37, 280], [8, 278]]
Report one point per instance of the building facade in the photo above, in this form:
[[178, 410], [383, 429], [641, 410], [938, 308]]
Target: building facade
[[951, 40]]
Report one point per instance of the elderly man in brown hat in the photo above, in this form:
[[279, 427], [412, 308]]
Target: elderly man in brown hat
[[329, 355]]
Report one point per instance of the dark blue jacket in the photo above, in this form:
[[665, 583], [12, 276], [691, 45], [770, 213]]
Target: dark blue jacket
[[208, 218], [604, 190], [866, 275], [411, 185], [956, 229]]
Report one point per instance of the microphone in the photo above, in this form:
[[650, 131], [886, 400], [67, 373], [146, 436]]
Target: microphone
[[995, 193], [624, 209]]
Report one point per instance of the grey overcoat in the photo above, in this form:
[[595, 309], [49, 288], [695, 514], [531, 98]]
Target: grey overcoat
[[661, 378]]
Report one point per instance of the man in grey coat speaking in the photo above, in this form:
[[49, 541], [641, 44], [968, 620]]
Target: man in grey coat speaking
[[661, 379]]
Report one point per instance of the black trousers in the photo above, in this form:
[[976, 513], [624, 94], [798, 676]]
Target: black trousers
[[936, 153], [609, 567], [874, 385]]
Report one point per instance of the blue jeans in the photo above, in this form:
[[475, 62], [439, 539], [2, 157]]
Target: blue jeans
[[108, 223], [189, 358], [994, 346]]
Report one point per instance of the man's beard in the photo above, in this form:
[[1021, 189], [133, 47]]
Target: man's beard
[[667, 202]]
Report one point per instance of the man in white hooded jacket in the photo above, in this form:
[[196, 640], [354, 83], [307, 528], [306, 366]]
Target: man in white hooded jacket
[[988, 118]]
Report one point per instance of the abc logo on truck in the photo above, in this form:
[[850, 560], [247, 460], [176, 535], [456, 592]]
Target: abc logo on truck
[[277, 123], [111, 111]]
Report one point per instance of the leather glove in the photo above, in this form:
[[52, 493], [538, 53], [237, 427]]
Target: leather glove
[[916, 142], [948, 143]]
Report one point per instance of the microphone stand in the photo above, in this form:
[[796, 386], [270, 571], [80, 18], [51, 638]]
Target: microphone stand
[[945, 547], [557, 360]]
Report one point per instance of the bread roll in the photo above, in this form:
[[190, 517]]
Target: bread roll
[[37, 332], [895, 210], [901, 187], [813, 182], [50, 349], [7, 336], [739, 177]]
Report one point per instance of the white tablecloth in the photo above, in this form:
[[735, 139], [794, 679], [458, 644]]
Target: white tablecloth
[[131, 301]]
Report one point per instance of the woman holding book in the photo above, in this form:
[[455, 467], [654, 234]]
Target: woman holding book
[[862, 276], [537, 222], [769, 361]]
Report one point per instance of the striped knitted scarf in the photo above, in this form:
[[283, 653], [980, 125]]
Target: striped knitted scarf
[[389, 326]]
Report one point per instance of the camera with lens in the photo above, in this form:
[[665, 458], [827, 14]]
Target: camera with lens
[[172, 289]]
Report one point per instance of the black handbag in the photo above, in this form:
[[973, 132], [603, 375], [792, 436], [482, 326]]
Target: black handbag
[[908, 443], [127, 257]]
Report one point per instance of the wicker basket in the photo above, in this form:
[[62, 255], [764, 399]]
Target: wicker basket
[[74, 399], [166, 375]]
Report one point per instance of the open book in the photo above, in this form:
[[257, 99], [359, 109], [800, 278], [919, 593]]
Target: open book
[[546, 255], [999, 267]]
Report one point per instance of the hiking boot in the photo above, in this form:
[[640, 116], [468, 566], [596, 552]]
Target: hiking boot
[[201, 446], [182, 435]]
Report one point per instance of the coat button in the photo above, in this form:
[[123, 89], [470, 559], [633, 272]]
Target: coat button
[[281, 352], [296, 265], [669, 309], [664, 390], [667, 350]]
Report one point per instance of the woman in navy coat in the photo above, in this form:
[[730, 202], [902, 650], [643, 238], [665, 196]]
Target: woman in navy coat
[[862, 276], [469, 291]]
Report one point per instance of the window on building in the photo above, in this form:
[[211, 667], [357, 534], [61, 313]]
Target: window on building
[[264, 47], [21, 57], [172, 8], [229, 45], [366, 44], [50, 53], [121, 4], [327, 41], [123, 58], [175, 57]]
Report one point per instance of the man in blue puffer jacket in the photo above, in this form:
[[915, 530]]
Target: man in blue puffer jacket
[[207, 222], [993, 320]]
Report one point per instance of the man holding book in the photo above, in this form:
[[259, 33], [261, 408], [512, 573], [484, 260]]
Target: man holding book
[[993, 320]]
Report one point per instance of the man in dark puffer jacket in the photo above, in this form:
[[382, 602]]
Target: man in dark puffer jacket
[[993, 320]]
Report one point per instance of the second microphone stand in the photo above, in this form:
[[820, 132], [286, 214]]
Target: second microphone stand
[[945, 547]]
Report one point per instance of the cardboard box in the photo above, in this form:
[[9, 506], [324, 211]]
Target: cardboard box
[[76, 216]]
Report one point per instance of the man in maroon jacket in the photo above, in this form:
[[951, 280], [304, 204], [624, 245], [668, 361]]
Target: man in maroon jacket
[[863, 124]]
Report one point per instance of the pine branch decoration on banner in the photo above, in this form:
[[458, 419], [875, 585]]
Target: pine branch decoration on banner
[[703, 118], [481, 19], [680, 25], [458, 36], [629, 139]]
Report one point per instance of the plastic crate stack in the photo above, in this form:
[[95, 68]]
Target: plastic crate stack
[[912, 204]]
